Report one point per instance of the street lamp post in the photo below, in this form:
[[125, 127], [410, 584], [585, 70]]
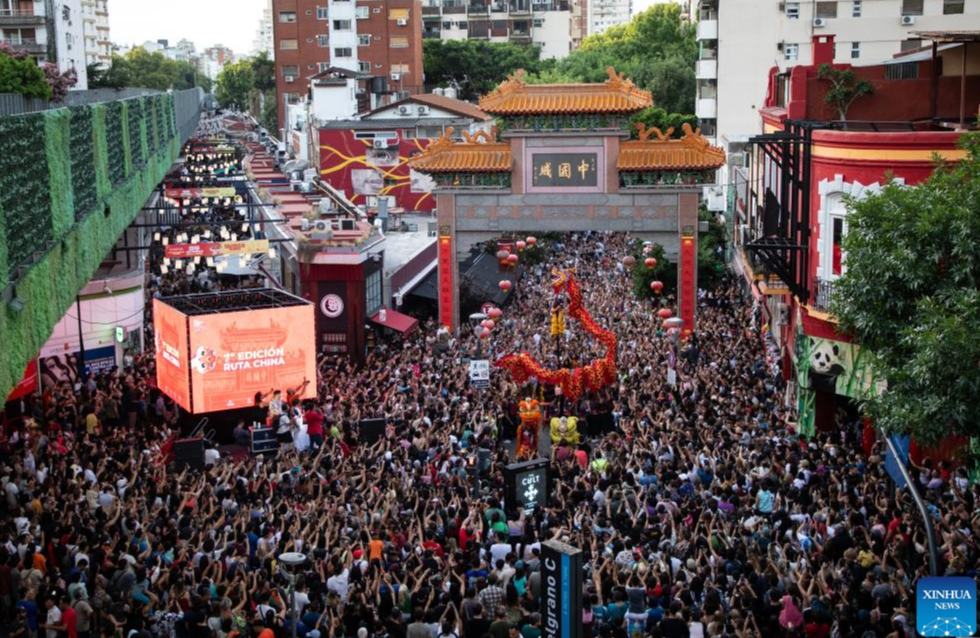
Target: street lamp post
[[674, 325], [476, 321], [291, 561]]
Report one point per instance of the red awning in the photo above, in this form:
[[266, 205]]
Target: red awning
[[396, 321]]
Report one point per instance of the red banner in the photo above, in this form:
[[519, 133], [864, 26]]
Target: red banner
[[447, 294], [28, 384], [197, 193], [688, 295], [216, 248]]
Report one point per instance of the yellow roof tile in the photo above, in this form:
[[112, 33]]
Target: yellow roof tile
[[515, 97], [691, 152], [469, 156]]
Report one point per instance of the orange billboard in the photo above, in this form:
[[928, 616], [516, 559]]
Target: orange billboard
[[236, 354], [172, 360]]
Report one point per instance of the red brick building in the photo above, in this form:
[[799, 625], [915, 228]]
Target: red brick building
[[382, 38]]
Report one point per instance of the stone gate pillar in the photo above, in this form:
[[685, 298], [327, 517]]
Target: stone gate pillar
[[448, 265]]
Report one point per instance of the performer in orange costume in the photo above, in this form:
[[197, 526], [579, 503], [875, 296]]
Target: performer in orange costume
[[527, 432]]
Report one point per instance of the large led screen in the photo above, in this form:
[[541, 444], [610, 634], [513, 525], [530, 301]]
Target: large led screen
[[170, 336], [236, 354]]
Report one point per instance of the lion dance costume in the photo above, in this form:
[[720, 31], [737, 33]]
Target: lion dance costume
[[527, 432]]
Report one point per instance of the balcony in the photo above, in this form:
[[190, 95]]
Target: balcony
[[456, 9], [706, 108], [825, 290], [708, 30], [476, 9], [432, 33], [27, 45], [520, 36], [706, 70], [20, 18], [428, 12]]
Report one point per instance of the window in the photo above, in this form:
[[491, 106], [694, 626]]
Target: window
[[287, 17], [837, 253], [322, 13], [399, 68], [290, 69], [538, 23], [827, 9], [447, 25], [363, 39], [461, 25], [364, 67], [902, 71], [793, 10], [912, 7], [322, 66], [911, 45], [341, 25], [856, 9], [372, 292], [343, 52], [288, 45], [952, 7], [399, 42], [791, 51], [855, 50], [291, 98], [362, 13], [322, 40], [408, 133]]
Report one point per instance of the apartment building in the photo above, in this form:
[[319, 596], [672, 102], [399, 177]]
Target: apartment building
[[43, 28], [377, 38], [603, 14], [557, 26], [95, 25], [263, 34]]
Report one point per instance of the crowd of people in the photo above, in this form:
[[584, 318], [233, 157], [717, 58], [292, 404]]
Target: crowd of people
[[699, 510]]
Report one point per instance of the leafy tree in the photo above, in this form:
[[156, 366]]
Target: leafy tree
[[21, 74], [844, 88], [59, 82], [665, 271], [264, 69], [909, 295], [235, 84], [475, 67], [140, 68], [657, 50]]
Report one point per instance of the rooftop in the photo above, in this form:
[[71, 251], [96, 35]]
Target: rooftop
[[458, 107], [691, 152], [479, 153], [232, 300], [516, 97]]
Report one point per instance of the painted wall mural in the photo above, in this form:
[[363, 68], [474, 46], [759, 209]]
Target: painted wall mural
[[361, 170]]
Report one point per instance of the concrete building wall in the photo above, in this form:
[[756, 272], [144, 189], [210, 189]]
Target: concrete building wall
[[69, 38], [550, 31]]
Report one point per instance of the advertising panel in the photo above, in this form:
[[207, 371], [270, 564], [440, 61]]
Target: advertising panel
[[236, 354], [170, 335], [561, 590], [526, 485], [216, 248]]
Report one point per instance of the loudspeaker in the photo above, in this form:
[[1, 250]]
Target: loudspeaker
[[189, 453], [371, 430]]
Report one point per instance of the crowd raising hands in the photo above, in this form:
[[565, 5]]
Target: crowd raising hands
[[698, 508]]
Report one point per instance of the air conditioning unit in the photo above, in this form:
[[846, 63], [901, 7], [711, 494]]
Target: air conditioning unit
[[403, 109], [402, 22], [423, 109], [379, 142], [304, 225], [290, 78], [908, 21], [819, 22], [322, 230], [396, 76]]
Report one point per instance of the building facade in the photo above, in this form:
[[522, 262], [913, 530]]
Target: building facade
[[603, 14], [791, 212], [95, 18], [376, 38], [263, 34], [49, 31]]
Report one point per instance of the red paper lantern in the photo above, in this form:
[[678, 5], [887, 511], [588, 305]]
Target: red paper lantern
[[664, 313], [502, 254], [505, 284], [651, 262], [521, 244], [512, 260], [656, 286], [629, 261], [484, 334], [488, 324], [532, 240], [495, 313]]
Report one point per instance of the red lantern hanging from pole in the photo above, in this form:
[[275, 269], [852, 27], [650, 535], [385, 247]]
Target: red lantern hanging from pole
[[512, 259], [484, 334], [505, 284], [532, 241], [495, 313], [651, 262], [502, 255], [521, 244], [665, 313], [656, 286]]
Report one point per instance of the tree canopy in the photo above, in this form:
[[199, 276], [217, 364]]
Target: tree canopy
[[235, 84], [475, 67], [140, 68], [910, 295], [21, 74], [656, 49]]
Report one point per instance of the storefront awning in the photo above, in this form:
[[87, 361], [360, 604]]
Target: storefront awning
[[396, 321]]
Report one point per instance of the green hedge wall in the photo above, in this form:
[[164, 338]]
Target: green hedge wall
[[65, 195]]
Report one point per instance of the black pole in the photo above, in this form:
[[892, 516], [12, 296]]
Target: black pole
[[919, 503], [81, 340]]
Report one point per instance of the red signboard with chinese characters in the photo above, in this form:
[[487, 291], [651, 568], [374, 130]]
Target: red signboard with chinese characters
[[216, 248], [688, 296], [447, 293]]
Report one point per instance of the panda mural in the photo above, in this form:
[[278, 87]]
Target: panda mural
[[826, 365]]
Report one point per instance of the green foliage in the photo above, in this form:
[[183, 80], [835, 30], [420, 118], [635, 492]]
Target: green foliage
[[43, 227], [665, 271], [844, 88], [475, 67], [264, 70], [114, 140], [654, 116], [23, 76], [657, 50], [909, 295], [270, 111], [711, 251], [235, 84], [140, 68]]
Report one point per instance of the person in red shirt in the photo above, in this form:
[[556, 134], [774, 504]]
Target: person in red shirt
[[69, 619], [314, 426]]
